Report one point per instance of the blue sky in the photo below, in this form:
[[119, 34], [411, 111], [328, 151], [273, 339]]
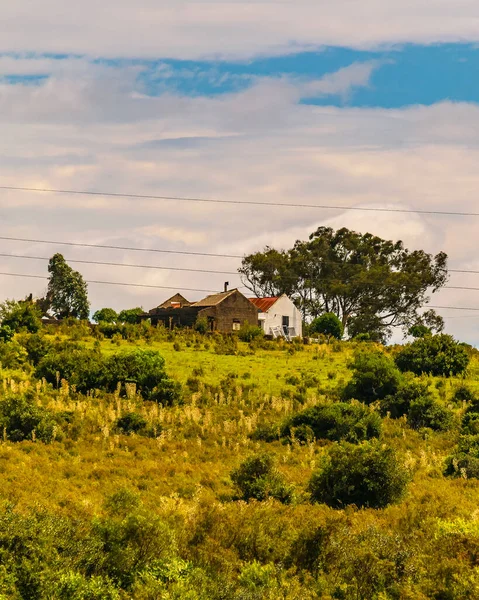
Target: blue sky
[[368, 104], [403, 76]]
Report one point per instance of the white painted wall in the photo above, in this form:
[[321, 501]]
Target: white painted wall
[[274, 317]]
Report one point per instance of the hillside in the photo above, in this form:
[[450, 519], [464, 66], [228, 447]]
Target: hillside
[[92, 511]]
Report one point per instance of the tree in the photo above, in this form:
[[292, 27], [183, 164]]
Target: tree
[[327, 324], [18, 316], [352, 275], [257, 478], [105, 315], [375, 377], [67, 294], [130, 315]]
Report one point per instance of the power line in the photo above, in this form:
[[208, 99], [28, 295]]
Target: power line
[[113, 264], [141, 285], [238, 202], [190, 270], [111, 247]]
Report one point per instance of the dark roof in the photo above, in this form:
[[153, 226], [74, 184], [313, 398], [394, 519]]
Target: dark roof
[[263, 304], [215, 299]]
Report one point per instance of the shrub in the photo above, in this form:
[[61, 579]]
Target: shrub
[[464, 394], [368, 475], [20, 316], [339, 421], [248, 333], [12, 355], [374, 377], [438, 355], [131, 422], [327, 324], [81, 367], [427, 412], [20, 418], [6, 333], [226, 344], [256, 478], [201, 325], [145, 368], [408, 392], [37, 346]]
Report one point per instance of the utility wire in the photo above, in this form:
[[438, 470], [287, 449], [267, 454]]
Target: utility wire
[[158, 250], [110, 247], [160, 287], [190, 270], [238, 202], [113, 264]]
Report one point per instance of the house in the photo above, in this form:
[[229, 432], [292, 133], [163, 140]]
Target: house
[[225, 312], [279, 316]]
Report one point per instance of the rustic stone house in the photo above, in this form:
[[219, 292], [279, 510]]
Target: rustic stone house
[[225, 312]]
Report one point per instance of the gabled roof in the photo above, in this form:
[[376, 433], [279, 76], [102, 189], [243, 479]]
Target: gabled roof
[[176, 299], [214, 299], [264, 304]]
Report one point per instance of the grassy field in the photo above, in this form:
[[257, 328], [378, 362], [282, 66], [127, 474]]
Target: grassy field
[[203, 543]]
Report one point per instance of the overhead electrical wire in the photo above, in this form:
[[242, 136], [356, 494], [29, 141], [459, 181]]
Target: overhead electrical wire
[[157, 250], [237, 202]]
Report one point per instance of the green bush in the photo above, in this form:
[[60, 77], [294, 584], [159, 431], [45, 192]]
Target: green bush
[[145, 368], [339, 421], [438, 355], [374, 377], [20, 316], [427, 412], [81, 367], [327, 324], [409, 391], [130, 315], [37, 346], [131, 422], [12, 355], [256, 478], [21, 419], [248, 333], [6, 333], [368, 475]]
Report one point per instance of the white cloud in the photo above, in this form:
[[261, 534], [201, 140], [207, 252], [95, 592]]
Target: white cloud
[[193, 29], [88, 132]]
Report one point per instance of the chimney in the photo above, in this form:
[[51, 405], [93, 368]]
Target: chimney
[[226, 285]]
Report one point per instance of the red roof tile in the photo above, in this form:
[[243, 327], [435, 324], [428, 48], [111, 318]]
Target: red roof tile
[[263, 304]]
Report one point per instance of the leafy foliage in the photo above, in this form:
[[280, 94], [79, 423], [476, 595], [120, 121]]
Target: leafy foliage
[[67, 294], [374, 377], [434, 355], [248, 333], [20, 316], [327, 324], [105, 315], [130, 315], [357, 277], [368, 475], [256, 478], [21, 419], [338, 421]]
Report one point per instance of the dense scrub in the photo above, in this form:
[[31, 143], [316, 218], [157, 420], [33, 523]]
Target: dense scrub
[[267, 480]]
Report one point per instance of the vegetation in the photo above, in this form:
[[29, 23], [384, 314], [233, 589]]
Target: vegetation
[[371, 284], [366, 475], [105, 315], [67, 294], [152, 463], [435, 355], [328, 325]]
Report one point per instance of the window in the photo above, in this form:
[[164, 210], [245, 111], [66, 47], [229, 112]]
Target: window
[[285, 324], [236, 325]]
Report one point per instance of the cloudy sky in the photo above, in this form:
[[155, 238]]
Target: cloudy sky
[[345, 103]]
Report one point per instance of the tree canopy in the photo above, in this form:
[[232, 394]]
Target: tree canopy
[[361, 278], [67, 294]]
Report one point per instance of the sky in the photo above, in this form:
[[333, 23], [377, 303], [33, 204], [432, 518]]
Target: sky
[[369, 104]]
